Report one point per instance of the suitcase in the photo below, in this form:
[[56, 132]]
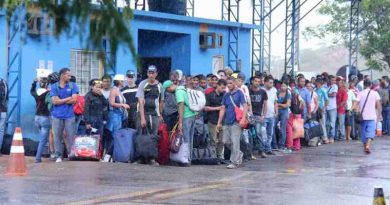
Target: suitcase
[[163, 144], [123, 141], [182, 156], [86, 147]]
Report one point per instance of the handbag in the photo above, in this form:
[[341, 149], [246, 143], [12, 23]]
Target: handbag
[[176, 140], [239, 114], [359, 116], [298, 128]]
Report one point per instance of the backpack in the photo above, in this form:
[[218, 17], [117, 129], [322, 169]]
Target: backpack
[[78, 107], [3, 93], [196, 100]]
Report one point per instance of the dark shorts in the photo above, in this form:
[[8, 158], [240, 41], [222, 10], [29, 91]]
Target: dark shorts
[[348, 118]]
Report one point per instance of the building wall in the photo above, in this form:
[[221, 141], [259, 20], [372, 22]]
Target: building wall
[[190, 57], [3, 45]]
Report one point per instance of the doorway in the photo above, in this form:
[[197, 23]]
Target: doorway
[[163, 65]]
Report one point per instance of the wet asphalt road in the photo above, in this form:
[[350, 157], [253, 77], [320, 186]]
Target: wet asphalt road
[[331, 174]]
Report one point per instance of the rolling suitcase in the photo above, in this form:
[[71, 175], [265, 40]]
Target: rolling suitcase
[[123, 141]]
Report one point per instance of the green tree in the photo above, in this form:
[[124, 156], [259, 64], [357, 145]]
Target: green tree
[[374, 36], [104, 20]]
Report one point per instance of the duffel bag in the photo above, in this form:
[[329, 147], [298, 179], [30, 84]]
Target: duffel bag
[[124, 150], [146, 145], [183, 155], [205, 156]]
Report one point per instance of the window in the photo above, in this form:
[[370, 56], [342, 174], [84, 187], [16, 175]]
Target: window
[[85, 66], [38, 24]]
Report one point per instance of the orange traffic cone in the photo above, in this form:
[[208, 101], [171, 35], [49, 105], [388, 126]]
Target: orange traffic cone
[[16, 162]]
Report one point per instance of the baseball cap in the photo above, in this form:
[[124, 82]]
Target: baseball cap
[[167, 84], [119, 77], [241, 76], [339, 78], [130, 73], [152, 68]]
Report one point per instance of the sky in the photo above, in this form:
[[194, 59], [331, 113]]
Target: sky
[[212, 9]]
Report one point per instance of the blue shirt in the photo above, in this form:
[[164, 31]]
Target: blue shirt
[[306, 96], [322, 96], [63, 111], [283, 100], [239, 100]]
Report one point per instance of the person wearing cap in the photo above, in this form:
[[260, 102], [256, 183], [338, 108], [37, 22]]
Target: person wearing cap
[[150, 104], [331, 108], [129, 92], [63, 96], [341, 102], [117, 111], [170, 110], [42, 114]]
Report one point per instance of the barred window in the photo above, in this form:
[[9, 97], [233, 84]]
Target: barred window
[[86, 65]]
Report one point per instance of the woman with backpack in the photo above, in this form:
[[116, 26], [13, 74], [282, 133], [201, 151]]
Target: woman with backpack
[[296, 108], [42, 114], [95, 112]]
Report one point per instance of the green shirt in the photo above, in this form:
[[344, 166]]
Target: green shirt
[[182, 97]]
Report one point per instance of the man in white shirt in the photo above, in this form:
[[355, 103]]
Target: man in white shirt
[[331, 108], [272, 112]]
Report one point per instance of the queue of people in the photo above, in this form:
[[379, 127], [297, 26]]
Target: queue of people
[[274, 113]]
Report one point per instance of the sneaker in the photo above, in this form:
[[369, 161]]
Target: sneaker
[[263, 155], [240, 158], [38, 161], [58, 160], [231, 166], [331, 141], [153, 163], [253, 158], [107, 158], [270, 153], [52, 156]]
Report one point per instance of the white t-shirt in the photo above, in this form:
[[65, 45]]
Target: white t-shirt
[[106, 93], [332, 100], [245, 90], [314, 96], [272, 97]]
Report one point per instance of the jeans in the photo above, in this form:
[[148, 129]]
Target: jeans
[[367, 130], [188, 134], [231, 137], [43, 124], [323, 124], [331, 121], [261, 133], [270, 127], [340, 127], [170, 120], [386, 119], [3, 115], [282, 118], [59, 126]]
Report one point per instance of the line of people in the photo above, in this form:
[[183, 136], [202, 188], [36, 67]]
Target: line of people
[[267, 109]]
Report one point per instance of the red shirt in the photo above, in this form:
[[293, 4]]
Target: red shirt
[[209, 90], [341, 96]]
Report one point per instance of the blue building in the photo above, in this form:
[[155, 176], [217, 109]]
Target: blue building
[[193, 45]]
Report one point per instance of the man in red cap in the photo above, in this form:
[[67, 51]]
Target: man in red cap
[[341, 101]]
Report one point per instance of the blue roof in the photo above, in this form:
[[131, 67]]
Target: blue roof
[[180, 18]]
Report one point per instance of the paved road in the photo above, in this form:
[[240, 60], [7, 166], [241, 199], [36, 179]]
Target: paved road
[[333, 174]]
